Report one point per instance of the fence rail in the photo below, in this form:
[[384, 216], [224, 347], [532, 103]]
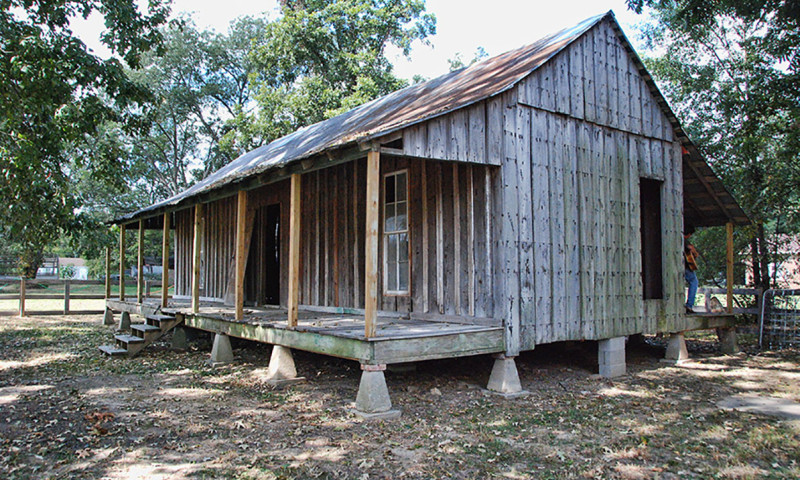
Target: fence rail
[[22, 297], [708, 292]]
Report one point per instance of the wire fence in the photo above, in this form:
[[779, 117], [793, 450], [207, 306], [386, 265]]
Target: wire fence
[[780, 319]]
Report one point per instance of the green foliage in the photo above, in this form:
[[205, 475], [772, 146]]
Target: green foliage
[[54, 95], [457, 62], [321, 58], [731, 70]]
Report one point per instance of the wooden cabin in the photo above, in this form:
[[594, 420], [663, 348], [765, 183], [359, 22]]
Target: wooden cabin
[[538, 196]]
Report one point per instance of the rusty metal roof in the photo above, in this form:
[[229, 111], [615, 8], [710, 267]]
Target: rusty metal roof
[[423, 101], [396, 110]]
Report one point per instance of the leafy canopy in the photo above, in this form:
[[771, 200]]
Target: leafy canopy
[[731, 69], [54, 94]]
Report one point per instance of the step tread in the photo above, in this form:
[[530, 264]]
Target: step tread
[[158, 317], [129, 338], [145, 328], [112, 350]]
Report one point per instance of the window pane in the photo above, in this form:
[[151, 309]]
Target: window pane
[[390, 219], [401, 223], [391, 276], [402, 254], [391, 249], [403, 280], [390, 195], [401, 186]]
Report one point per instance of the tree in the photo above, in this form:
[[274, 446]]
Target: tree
[[54, 95], [322, 58], [731, 69]]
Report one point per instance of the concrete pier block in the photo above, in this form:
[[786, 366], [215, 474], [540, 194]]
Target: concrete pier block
[[124, 321], [504, 379], [611, 357], [221, 352], [727, 341], [281, 370], [108, 317], [372, 400], [676, 349], [179, 339]]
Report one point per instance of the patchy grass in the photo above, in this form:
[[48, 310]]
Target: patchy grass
[[68, 412]]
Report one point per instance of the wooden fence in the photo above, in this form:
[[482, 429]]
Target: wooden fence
[[67, 296]]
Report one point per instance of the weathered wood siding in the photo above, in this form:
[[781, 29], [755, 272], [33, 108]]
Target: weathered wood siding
[[465, 135], [449, 227], [217, 251], [578, 134]]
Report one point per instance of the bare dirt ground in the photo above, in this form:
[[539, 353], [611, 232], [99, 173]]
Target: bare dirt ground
[[66, 411]]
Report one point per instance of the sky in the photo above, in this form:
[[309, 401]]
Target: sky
[[461, 26]]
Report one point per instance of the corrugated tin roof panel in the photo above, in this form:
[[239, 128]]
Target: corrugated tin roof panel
[[397, 110]]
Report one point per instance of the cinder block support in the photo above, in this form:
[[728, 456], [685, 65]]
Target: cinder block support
[[504, 379], [124, 321], [221, 352], [108, 317], [179, 339], [281, 368], [727, 341], [611, 357], [676, 349], [372, 400]]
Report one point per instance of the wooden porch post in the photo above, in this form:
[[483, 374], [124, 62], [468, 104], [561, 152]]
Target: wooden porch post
[[729, 265], [241, 254], [165, 262], [294, 250], [140, 264], [108, 272], [122, 263], [198, 227], [371, 244]]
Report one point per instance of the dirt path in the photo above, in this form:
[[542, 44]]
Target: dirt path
[[67, 412]]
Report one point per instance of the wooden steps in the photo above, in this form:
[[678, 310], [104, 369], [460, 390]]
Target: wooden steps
[[141, 335]]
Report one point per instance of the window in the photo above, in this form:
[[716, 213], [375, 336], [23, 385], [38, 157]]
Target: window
[[395, 233], [650, 204]]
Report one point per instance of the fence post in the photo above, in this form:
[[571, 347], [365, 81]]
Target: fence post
[[21, 296], [66, 297], [108, 273]]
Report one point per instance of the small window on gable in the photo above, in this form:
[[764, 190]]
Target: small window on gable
[[395, 234]]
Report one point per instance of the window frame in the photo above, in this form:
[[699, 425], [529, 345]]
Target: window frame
[[385, 240]]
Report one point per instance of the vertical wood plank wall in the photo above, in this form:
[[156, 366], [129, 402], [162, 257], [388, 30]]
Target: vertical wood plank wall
[[578, 134], [332, 250]]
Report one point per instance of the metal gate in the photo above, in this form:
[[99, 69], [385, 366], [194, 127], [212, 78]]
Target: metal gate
[[780, 319]]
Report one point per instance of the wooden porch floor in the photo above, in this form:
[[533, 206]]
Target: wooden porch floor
[[399, 339]]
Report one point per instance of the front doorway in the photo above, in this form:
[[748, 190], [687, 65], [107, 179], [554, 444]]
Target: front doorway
[[263, 277]]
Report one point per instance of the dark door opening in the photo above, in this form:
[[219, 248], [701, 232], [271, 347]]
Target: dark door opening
[[650, 204], [263, 274], [272, 257]]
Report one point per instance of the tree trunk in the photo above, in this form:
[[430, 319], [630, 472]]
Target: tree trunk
[[764, 256], [756, 264]]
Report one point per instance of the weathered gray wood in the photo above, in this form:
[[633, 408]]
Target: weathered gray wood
[[457, 266], [541, 152], [524, 245], [509, 242]]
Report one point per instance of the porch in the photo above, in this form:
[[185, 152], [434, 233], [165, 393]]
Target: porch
[[399, 338]]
